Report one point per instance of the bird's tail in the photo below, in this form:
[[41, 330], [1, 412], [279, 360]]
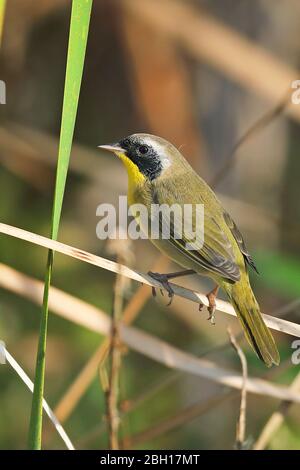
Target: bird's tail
[[247, 309]]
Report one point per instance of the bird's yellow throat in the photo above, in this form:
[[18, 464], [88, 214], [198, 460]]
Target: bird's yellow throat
[[135, 177]]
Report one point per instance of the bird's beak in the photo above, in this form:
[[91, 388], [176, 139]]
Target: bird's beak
[[111, 148]]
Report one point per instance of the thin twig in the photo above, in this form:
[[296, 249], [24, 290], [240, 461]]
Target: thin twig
[[132, 404], [241, 424], [123, 251], [124, 254], [260, 124], [112, 394], [187, 415], [276, 420]]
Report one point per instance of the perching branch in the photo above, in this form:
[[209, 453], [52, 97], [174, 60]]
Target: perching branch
[[277, 324]]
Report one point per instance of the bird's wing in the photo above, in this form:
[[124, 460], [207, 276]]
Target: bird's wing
[[216, 253], [240, 241]]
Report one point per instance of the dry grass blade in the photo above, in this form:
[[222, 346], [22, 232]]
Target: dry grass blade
[[23, 376], [275, 323], [86, 315]]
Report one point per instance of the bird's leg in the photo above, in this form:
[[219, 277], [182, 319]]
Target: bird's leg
[[211, 296], [164, 280]]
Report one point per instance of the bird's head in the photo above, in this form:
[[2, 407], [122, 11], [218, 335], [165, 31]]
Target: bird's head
[[145, 156]]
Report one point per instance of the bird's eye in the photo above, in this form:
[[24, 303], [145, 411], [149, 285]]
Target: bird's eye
[[143, 149], [125, 143]]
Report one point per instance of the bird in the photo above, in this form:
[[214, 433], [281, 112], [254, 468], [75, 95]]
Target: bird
[[159, 174]]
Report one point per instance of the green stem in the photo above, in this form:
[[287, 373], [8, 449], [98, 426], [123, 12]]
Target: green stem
[[79, 27], [2, 13], [35, 427]]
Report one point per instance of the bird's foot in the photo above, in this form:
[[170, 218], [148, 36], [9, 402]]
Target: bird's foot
[[211, 316], [211, 297], [164, 280]]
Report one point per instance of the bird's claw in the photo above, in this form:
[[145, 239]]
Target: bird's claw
[[211, 297], [163, 279], [211, 316]]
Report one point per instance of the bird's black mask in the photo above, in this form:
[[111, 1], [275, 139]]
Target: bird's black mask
[[142, 155]]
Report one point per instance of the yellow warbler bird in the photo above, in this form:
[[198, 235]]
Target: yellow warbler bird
[[159, 174]]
